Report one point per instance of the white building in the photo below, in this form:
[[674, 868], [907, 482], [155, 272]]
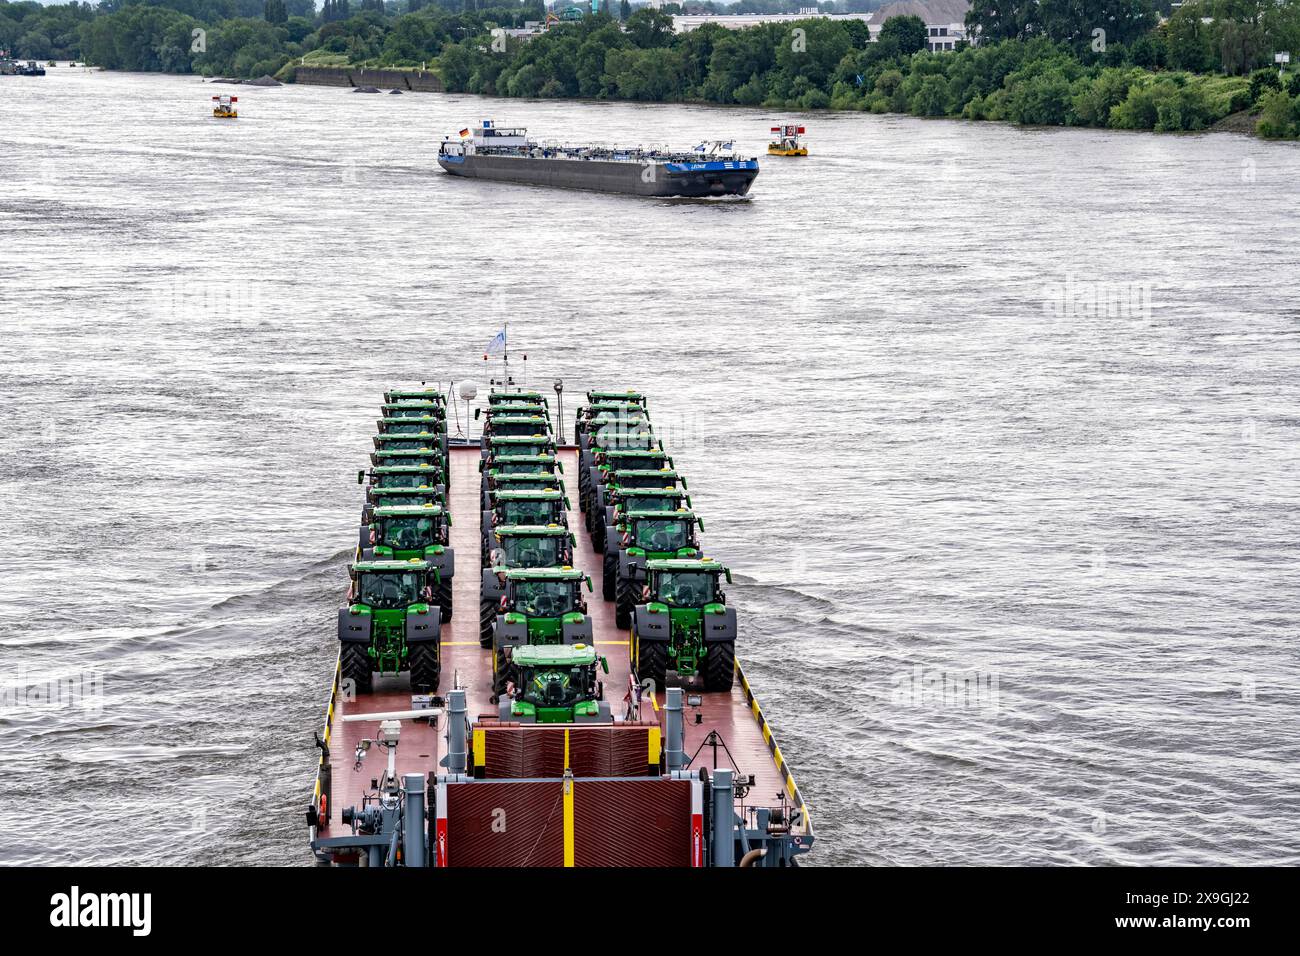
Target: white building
[[944, 19]]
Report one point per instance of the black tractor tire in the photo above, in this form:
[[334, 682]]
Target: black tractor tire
[[487, 615], [355, 665], [442, 596], [624, 602], [720, 666], [652, 663], [502, 672], [598, 536], [609, 577], [426, 668]]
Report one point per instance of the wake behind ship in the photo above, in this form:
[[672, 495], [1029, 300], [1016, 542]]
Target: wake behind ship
[[508, 155]]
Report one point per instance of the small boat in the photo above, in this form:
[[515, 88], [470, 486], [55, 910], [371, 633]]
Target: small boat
[[787, 142], [225, 108]]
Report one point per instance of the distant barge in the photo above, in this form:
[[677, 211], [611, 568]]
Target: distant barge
[[508, 155]]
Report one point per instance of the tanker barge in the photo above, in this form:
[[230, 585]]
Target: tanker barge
[[508, 155], [488, 753]]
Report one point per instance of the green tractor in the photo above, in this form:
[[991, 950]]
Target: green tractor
[[620, 500], [503, 465], [395, 395], [645, 536], [557, 684], [415, 409], [547, 506], [420, 532], [389, 624], [521, 399], [422, 473], [539, 606], [415, 456], [496, 446], [518, 546], [593, 478], [418, 441], [506, 421], [525, 481], [390, 497], [683, 624]]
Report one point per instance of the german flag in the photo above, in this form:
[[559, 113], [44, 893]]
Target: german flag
[[464, 132]]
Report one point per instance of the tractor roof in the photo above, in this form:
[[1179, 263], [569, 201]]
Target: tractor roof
[[523, 459], [400, 394], [423, 467], [409, 511], [638, 452], [679, 513], [546, 574], [669, 475], [407, 403], [554, 655], [498, 398], [530, 531], [414, 419], [390, 567], [518, 439], [686, 564], [408, 436], [530, 494], [602, 396], [651, 493], [529, 478], [595, 408], [423, 491], [409, 454], [515, 416]]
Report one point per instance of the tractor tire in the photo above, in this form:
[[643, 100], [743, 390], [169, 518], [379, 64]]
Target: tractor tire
[[354, 665], [609, 582], [652, 663], [720, 666], [598, 536], [487, 615], [502, 672], [442, 596], [426, 668], [624, 602]]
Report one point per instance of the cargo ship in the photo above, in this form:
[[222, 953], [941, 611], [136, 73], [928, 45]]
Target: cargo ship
[[508, 155], [504, 712]]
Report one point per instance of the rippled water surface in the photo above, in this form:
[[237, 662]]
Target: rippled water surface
[[1020, 574]]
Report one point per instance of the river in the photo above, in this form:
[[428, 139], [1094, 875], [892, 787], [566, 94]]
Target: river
[[997, 426]]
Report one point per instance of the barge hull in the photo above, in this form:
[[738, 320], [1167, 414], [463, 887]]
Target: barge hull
[[698, 180]]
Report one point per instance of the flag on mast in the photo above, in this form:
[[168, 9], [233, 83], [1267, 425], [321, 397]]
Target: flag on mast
[[498, 344]]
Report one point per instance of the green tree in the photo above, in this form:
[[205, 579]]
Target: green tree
[[908, 34], [275, 12]]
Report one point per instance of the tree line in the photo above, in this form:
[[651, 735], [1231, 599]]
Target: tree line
[[1115, 63]]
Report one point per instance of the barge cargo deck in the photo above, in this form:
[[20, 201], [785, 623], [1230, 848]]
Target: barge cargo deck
[[619, 820]]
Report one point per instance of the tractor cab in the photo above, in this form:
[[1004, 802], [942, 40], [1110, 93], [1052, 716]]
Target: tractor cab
[[548, 506], [522, 465], [594, 479], [557, 684], [644, 536], [409, 456], [683, 624], [390, 624], [391, 497], [635, 398], [412, 425], [513, 426], [496, 445], [406, 532], [632, 433], [419, 408], [645, 478], [539, 606], [496, 398], [528, 481], [518, 546], [409, 441], [413, 474], [620, 500], [397, 395]]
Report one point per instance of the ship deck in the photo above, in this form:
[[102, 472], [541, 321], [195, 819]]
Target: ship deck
[[735, 715]]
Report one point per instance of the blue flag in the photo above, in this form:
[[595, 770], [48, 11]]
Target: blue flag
[[498, 344]]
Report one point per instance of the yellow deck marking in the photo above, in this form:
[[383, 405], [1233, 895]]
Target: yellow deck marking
[[459, 643], [480, 747], [568, 819], [653, 738], [613, 643]]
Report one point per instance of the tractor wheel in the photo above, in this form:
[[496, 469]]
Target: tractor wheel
[[442, 595], [501, 672], [354, 662], [487, 614], [426, 669], [609, 582], [598, 536], [623, 604], [720, 666], [652, 662]]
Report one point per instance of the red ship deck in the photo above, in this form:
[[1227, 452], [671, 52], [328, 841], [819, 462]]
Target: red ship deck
[[736, 716]]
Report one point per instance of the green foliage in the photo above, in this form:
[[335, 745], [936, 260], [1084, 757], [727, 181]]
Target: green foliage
[[907, 33], [1279, 115]]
